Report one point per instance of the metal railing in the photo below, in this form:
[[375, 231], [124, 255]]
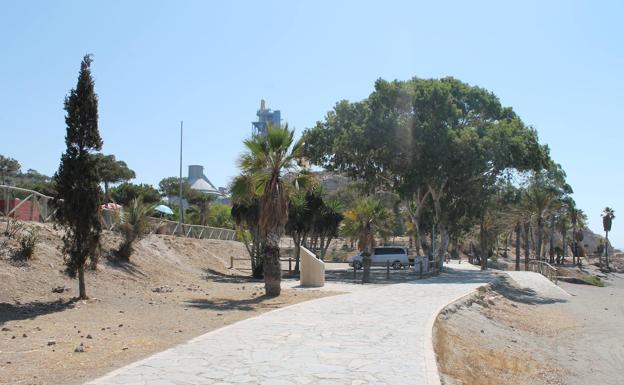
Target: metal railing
[[28, 205], [165, 226], [545, 269]]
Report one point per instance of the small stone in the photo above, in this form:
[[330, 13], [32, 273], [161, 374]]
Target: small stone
[[13, 337], [103, 329], [482, 331], [120, 325], [51, 342], [124, 348], [38, 328], [121, 311], [89, 337], [24, 335], [79, 349], [5, 329]]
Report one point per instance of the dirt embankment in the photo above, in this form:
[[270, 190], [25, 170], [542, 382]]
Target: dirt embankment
[[500, 335], [172, 290], [511, 335]]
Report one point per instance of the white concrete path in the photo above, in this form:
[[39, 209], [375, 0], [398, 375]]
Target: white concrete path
[[377, 336], [538, 283]]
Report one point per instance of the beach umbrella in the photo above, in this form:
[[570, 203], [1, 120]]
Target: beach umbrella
[[163, 209], [111, 206]]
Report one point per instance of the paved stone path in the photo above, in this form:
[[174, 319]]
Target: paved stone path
[[377, 336]]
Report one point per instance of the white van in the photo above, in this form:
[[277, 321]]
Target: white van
[[397, 256]]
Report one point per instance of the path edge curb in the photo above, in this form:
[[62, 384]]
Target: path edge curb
[[432, 374]]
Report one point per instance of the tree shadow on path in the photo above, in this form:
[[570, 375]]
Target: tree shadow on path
[[248, 304]]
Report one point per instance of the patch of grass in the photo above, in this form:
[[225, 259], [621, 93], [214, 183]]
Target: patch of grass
[[593, 280]]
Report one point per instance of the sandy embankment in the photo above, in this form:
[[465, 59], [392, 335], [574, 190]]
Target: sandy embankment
[[514, 335], [173, 290]]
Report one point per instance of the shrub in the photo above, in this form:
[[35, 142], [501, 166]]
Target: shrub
[[13, 228], [593, 280], [28, 242]]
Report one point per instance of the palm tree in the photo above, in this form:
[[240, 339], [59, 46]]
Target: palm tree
[[327, 223], [299, 222], [264, 166], [134, 225], [366, 219], [608, 214], [202, 201], [540, 199]]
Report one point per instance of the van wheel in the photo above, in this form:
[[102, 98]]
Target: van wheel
[[396, 265], [357, 265]]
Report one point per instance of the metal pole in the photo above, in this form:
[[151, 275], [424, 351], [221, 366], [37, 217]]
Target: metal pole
[[181, 216]]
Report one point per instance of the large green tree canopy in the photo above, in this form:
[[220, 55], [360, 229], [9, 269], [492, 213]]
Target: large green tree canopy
[[437, 140]]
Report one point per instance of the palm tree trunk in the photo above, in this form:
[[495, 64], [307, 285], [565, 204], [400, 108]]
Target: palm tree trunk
[[483, 250], [272, 265], [527, 247], [297, 240], [551, 245], [540, 230], [564, 244], [518, 247], [606, 249], [366, 254], [327, 243]]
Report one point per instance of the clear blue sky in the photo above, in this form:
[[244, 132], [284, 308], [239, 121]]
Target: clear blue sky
[[559, 64]]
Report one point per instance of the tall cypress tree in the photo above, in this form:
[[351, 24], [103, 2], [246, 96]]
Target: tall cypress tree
[[78, 191]]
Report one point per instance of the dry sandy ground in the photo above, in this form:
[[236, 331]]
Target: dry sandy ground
[[510, 335], [174, 290]]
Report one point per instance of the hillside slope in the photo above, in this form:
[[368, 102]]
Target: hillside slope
[[173, 289]]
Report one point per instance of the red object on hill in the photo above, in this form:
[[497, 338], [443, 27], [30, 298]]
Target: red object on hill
[[26, 212]]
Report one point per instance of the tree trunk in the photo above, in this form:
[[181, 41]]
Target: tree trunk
[[327, 243], [106, 196], [82, 289], [518, 247], [606, 249], [296, 241], [366, 254], [564, 244], [540, 230], [483, 250], [272, 265], [433, 243], [322, 247], [551, 245], [527, 247], [443, 245]]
